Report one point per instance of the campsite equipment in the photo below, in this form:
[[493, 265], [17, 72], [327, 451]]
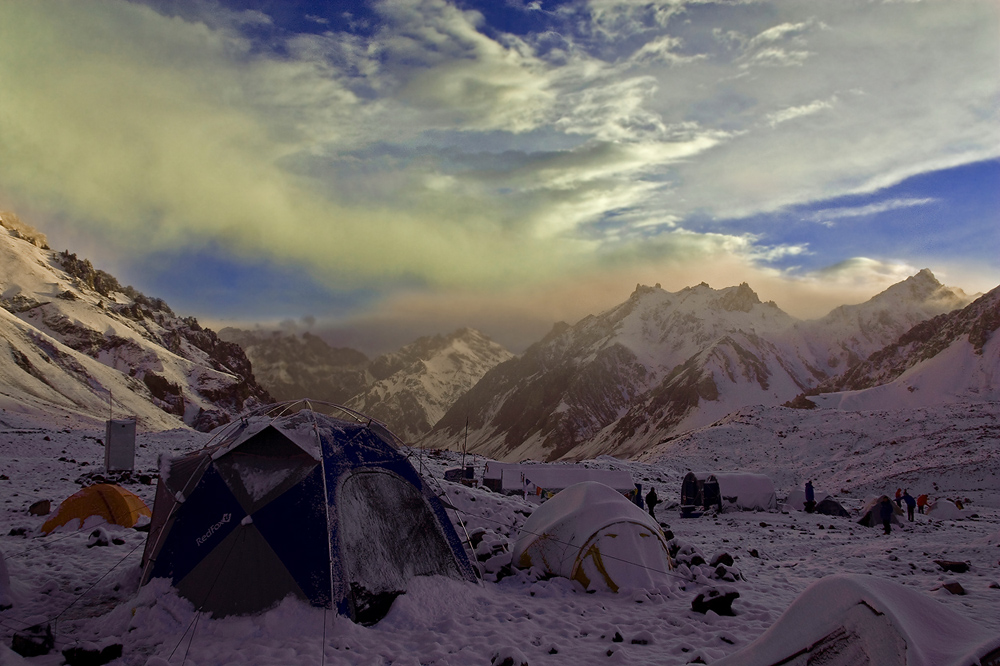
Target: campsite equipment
[[113, 503], [591, 533], [862, 620], [297, 502], [119, 445], [870, 513], [946, 509], [545, 480], [831, 507], [728, 491]]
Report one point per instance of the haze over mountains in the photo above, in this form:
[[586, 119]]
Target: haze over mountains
[[619, 382]]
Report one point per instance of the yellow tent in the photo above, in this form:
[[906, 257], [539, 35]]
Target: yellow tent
[[115, 504]]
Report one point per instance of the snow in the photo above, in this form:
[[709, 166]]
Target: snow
[[92, 595]]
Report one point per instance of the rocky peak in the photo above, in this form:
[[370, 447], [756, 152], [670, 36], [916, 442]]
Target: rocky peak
[[738, 299]]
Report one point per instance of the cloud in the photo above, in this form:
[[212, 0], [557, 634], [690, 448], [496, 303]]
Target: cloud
[[827, 216], [793, 112], [437, 152]]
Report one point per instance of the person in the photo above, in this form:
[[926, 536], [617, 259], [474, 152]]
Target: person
[[652, 501], [899, 497], [910, 504], [885, 513], [638, 496], [810, 497], [921, 502]]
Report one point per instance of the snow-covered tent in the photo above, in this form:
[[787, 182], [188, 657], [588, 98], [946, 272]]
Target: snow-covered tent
[[729, 491], [946, 509], [591, 533], [831, 507], [299, 503], [870, 513], [111, 503], [545, 480], [860, 620]]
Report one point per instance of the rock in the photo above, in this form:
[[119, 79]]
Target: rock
[[509, 656], [40, 508], [33, 641], [954, 567], [954, 588], [723, 558], [720, 603], [84, 656], [98, 538]]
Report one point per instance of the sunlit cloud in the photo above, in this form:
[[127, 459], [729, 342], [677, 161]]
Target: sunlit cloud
[[828, 215], [433, 152]]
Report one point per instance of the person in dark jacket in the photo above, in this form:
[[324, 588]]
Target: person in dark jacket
[[651, 501], [911, 504], [885, 513], [810, 497]]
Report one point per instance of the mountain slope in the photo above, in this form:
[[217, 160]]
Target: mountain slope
[[74, 314], [292, 367], [951, 358], [416, 385], [667, 362], [409, 389]]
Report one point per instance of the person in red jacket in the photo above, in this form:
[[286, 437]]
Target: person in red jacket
[[921, 502]]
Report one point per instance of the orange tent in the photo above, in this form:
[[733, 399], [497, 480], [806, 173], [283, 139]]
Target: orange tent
[[117, 505]]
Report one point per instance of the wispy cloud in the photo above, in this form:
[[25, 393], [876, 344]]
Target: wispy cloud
[[434, 151], [829, 215]]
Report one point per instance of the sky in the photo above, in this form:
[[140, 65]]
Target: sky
[[378, 171]]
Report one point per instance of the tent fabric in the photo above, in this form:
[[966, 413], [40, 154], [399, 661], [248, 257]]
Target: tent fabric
[[729, 491], [831, 507], [870, 513], [862, 620], [946, 509], [115, 504], [591, 533], [303, 504]]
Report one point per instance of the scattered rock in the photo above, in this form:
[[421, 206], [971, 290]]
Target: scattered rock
[[98, 538], [86, 656], [723, 558], [954, 567], [954, 588], [509, 656], [721, 603], [33, 641], [40, 508]]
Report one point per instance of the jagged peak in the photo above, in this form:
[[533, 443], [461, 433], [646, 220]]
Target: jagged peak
[[741, 299], [21, 229]]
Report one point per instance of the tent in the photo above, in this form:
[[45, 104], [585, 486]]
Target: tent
[[831, 507], [591, 533], [861, 620], [545, 480], [114, 504], [946, 509], [729, 491], [298, 503], [870, 513]]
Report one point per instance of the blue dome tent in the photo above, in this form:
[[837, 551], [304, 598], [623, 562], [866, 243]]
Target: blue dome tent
[[291, 501]]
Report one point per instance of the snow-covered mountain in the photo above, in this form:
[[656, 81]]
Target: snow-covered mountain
[[409, 389], [416, 385], [664, 362], [72, 335], [950, 358], [293, 367]]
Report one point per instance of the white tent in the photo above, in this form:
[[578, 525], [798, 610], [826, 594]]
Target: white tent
[[945, 509], [742, 491], [544, 480], [591, 533], [859, 620]]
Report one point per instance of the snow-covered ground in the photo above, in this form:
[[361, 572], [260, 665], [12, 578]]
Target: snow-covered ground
[[90, 594]]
